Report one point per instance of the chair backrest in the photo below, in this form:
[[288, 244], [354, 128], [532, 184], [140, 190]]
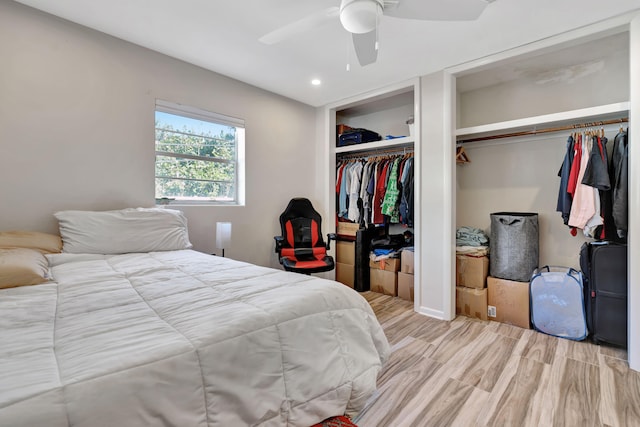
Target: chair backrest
[[301, 225]]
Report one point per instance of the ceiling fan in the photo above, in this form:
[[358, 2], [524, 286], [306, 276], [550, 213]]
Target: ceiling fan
[[362, 17]]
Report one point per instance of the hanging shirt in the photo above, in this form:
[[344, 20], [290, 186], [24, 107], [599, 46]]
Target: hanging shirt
[[390, 202], [342, 211], [597, 173], [596, 220], [339, 176], [364, 194], [583, 206], [380, 189], [620, 184], [371, 189], [597, 176], [355, 173], [564, 198], [406, 202], [575, 166]]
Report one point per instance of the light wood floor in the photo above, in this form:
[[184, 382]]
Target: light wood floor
[[470, 372]]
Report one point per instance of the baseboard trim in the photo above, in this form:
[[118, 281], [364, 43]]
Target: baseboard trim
[[437, 314]]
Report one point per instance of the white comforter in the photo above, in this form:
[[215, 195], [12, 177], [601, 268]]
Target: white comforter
[[183, 339]]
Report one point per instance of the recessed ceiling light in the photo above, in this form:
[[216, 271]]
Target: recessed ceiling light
[[316, 82]]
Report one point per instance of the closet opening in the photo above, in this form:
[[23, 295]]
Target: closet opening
[[375, 219], [516, 119], [372, 190]]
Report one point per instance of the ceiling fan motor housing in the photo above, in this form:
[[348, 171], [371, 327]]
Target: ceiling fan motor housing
[[360, 16]]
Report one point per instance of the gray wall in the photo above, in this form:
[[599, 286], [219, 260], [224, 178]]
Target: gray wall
[[76, 132]]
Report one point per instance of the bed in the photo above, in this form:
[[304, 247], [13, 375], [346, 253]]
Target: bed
[[177, 337]]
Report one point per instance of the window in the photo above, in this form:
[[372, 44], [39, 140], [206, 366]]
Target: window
[[199, 155]]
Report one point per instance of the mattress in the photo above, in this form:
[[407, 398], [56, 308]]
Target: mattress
[[186, 339]]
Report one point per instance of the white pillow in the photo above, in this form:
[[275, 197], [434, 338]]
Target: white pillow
[[123, 231]]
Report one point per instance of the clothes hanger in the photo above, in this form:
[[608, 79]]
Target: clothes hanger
[[461, 156]]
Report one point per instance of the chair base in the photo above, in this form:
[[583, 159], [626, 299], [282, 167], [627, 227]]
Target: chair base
[[308, 267]]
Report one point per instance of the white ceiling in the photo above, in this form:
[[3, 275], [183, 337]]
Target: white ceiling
[[222, 36]]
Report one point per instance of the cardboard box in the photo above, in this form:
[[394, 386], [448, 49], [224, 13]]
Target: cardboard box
[[508, 301], [472, 271], [346, 252], [388, 264], [405, 286], [407, 262], [347, 228], [345, 273], [471, 302], [384, 282]]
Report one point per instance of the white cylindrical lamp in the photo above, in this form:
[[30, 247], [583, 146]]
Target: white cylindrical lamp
[[223, 235]]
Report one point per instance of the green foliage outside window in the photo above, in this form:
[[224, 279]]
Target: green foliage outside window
[[196, 161]]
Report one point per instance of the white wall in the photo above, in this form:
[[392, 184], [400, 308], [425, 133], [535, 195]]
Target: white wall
[[587, 75], [76, 132], [436, 191], [634, 200]]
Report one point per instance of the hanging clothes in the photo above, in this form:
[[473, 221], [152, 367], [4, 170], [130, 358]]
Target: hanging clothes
[[406, 203], [355, 172], [619, 173], [371, 189], [597, 176], [575, 166], [366, 187], [583, 206], [380, 189], [564, 197], [339, 176], [390, 204], [342, 205], [366, 200], [594, 185]]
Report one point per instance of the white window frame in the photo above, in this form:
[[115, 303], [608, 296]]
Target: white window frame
[[208, 116]]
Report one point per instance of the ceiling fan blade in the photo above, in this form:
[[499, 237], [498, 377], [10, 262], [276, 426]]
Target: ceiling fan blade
[[365, 46], [300, 26], [436, 10]]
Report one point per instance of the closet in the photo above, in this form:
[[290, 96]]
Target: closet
[[513, 113], [514, 164], [389, 112]]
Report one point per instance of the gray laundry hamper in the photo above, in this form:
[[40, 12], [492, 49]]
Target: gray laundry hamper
[[513, 246]]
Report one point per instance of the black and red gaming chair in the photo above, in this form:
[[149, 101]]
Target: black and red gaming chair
[[301, 248]]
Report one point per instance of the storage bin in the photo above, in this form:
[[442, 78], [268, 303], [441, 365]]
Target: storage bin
[[557, 303], [513, 245]]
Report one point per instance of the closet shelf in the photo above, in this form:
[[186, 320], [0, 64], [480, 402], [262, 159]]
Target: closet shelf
[[599, 113], [385, 143]]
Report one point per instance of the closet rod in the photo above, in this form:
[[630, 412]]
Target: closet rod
[[374, 153], [546, 130]]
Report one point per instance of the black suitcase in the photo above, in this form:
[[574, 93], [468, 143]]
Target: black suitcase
[[604, 266], [357, 136]]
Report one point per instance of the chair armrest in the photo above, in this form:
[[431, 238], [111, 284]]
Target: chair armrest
[[279, 242], [330, 237]]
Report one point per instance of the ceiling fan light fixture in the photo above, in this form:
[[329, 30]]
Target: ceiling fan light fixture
[[360, 16]]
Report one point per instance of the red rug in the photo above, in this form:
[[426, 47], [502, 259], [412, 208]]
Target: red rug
[[340, 421]]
